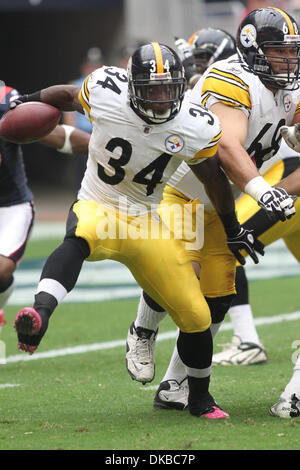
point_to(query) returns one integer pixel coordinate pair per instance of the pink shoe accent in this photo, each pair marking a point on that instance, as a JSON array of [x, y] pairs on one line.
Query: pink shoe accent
[[2, 319], [26, 348], [25, 315], [27, 322], [216, 414]]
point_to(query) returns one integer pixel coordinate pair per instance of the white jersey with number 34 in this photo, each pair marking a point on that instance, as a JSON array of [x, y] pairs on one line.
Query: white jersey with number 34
[[131, 158]]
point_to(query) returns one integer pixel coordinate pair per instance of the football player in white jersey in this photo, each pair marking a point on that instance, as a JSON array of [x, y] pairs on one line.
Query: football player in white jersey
[[142, 131], [205, 47], [261, 53], [228, 85]]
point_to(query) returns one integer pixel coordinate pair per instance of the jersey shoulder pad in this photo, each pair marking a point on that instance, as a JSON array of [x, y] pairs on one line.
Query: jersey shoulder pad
[[227, 82], [104, 84], [203, 131]]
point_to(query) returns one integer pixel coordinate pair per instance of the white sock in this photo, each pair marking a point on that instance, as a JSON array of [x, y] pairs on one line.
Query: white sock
[[176, 369], [243, 323], [147, 317], [294, 384], [214, 328]]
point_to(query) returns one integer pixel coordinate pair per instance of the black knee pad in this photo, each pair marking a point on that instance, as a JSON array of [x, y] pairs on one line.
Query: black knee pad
[[151, 303], [219, 306]]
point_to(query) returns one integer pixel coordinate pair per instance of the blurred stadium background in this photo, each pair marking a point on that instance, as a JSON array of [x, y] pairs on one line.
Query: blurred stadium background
[[44, 42]]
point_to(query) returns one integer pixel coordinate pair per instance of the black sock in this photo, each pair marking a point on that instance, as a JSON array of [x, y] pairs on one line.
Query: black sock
[[241, 285], [65, 263], [200, 400], [44, 304]]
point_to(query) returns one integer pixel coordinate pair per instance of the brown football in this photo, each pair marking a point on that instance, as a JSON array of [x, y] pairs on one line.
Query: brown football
[[28, 122]]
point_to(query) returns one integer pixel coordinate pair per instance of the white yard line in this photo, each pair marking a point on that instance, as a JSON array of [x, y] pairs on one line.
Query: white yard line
[[121, 343], [9, 385]]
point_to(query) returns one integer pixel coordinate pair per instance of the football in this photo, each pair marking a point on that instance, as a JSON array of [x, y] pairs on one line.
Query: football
[[28, 122]]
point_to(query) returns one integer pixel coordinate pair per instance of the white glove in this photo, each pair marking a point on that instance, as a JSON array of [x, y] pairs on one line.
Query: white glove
[[278, 204], [291, 135]]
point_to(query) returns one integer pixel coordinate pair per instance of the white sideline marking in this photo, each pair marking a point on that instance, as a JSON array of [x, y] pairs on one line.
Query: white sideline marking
[[85, 348], [9, 385]]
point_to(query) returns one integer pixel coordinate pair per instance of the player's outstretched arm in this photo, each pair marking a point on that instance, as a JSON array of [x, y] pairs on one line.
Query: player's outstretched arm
[[239, 167], [63, 97], [68, 139]]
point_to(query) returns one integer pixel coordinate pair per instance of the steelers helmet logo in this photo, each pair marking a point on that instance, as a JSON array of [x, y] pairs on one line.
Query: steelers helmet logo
[[248, 35], [174, 143]]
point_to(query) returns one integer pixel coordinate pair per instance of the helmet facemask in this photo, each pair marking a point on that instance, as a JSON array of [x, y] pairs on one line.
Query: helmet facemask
[[275, 69], [202, 59], [268, 42], [210, 45], [157, 98], [156, 82]]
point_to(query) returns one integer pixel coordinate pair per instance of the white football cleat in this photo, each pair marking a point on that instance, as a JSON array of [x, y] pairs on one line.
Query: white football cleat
[[171, 395], [140, 347], [238, 353], [286, 408]]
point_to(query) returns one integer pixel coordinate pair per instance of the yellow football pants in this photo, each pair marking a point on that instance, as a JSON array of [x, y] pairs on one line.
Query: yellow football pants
[[160, 264], [217, 263]]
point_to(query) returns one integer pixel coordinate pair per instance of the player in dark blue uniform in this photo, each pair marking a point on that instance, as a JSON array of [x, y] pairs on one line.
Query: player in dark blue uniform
[[16, 207], [16, 198]]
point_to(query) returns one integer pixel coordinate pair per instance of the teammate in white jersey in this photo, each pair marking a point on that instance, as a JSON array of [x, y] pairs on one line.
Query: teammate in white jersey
[[205, 47], [280, 107], [141, 133], [231, 85]]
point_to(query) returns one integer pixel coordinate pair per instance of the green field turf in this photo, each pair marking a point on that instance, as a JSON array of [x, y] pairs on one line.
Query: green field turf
[[87, 401]]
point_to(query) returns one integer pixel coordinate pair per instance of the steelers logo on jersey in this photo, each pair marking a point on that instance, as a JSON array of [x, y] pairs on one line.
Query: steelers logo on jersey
[[287, 102], [174, 143]]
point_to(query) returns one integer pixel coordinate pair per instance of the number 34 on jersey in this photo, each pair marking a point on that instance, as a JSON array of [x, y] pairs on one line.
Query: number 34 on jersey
[[130, 157]]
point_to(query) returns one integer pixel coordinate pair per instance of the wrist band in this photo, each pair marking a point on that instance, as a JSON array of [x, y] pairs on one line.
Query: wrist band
[[257, 187], [36, 96], [67, 147]]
